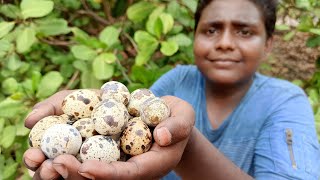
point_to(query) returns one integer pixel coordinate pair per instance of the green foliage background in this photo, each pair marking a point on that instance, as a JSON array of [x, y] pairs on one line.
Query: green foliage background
[[47, 45]]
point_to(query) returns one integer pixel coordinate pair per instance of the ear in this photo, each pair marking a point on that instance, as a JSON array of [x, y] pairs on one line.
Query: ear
[[269, 45]]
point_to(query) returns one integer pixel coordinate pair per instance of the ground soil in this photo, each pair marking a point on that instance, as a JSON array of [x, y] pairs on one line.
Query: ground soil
[[291, 59]]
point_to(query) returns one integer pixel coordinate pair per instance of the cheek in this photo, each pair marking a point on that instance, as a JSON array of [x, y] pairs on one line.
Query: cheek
[[201, 47]]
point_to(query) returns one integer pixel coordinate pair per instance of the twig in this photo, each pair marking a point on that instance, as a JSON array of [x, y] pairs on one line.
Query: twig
[[73, 78], [122, 71], [94, 16], [135, 46], [56, 42], [107, 10]]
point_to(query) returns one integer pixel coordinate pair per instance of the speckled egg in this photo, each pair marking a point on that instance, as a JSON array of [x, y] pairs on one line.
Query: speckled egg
[[69, 119], [115, 90], [102, 148], [86, 127], [110, 117], [61, 139], [40, 127], [138, 97], [154, 111], [136, 138], [80, 103]]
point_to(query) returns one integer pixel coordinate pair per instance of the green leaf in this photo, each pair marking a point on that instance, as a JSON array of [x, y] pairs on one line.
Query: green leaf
[[53, 27], [142, 57], [79, 34], [303, 4], [107, 57], [10, 170], [102, 70], [282, 27], [5, 28], [35, 80], [10, 108], [191, 4], [10, 11], [315, 31], [22, 130], [109, 35], [145, 40], [83, 52], [5, 46], [81, 65], [2, 122], [168, 48], [157, 28], [167, 22], [289, 36], [14, 62], [181, 39], [152, 20], [26, 39], [139, 11], [8, 139], [9, 86], [35, 8], [88, 80], [313, 41], [49, 84]]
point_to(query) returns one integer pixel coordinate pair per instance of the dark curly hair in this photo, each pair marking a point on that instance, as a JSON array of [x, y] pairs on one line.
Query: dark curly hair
[[268, 10]]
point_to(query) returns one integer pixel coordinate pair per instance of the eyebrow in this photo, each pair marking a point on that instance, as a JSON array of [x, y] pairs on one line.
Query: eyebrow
[[236, 23]]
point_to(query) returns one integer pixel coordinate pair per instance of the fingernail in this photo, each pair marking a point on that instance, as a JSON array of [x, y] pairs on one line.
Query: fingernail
[[61, 169], [30, 164], [31, 113], [164, 136], [86, 175]]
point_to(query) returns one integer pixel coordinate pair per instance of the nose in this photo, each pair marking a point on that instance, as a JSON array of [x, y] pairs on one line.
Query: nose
[[225, 41]]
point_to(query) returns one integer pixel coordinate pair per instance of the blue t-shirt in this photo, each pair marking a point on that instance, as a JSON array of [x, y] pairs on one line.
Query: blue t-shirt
[[269, 135]]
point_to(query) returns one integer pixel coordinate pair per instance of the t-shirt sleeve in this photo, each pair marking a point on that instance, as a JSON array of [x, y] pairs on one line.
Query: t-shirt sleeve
[[166, 84], [287, 147]]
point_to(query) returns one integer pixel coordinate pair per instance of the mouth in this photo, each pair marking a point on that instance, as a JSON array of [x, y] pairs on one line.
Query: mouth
[[224, 62]]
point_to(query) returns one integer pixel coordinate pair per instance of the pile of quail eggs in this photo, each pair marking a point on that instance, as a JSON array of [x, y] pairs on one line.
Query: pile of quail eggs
[[108, 125]]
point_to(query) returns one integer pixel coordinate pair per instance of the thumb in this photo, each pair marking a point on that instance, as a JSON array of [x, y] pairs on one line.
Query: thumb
[[178, 126]]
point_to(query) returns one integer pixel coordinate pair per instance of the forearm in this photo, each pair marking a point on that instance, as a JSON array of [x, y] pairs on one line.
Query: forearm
[[201, 160]]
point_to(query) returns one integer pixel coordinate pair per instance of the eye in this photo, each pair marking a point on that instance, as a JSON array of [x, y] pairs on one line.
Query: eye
[[245, 32], [211, 31]]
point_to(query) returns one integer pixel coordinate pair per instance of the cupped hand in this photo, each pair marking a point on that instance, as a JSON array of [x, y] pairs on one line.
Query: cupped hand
[[170, 136]]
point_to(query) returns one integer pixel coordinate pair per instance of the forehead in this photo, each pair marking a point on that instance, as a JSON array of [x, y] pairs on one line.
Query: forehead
[[231, 10]]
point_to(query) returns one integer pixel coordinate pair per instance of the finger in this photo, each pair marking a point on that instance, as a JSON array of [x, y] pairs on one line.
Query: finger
[[67, 166], [178, 126], [150, 165], [46, 171], [33, 158], [50, 106]]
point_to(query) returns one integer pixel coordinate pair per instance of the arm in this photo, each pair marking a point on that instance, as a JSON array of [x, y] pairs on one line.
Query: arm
[[201, 160]]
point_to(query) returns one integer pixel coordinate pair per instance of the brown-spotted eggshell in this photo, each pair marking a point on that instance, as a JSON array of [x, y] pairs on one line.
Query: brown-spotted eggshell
[[115, 90], [154, 111], [137, 98]]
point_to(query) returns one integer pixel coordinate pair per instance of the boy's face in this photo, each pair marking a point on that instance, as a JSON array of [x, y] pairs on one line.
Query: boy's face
[[230, 41]]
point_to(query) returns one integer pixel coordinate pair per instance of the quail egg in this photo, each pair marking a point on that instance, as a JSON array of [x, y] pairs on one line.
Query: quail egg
[[39, 128], [61, 139], [110, 117], [86, 127], [80, 103], [137, 98], [154, 111], [136, 138], [115, 90], [102, 148]]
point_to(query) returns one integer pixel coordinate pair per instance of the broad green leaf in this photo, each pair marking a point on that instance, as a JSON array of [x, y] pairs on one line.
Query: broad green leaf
[[139, 11], [303, 4], [8, 139], [79, 34], [26, 39], [49, 84], [145, 40], [152, 20], [157, 28], [109, 35], [102, 70], [168, 48], [35, 8], [35, 79], [14, 62], [83, 52], [305, 23], [10, 108], [181, 39], [289, 36], [88, 80], [5, 46], [10, 11], [2, 122], [107, 57], [10, 170], [142, 58], [5, 28], [282, 27], [167, 22], [191, 4], [53, 27], [9, 86], [81, 65], [315, 31], [22, 130], [313, 41]]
